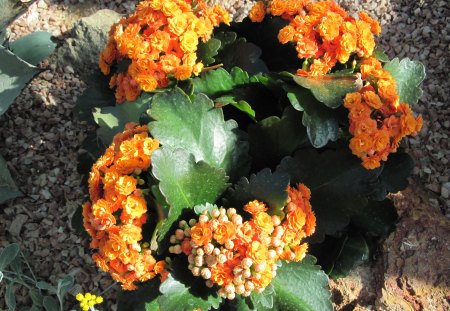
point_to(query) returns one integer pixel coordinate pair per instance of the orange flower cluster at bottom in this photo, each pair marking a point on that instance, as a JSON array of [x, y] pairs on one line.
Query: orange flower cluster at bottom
[[115, 196], [378, 121], [240, 257]]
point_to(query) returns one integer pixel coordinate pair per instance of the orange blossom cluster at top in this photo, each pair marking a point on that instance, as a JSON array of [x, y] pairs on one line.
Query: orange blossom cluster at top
[[378, 121], [241, 256], [117, 209], [321, 30], [161, 40]]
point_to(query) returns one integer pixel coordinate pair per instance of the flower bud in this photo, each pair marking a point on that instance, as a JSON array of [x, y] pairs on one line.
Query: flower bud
[[240, 289], [237, 270], [173, 239], [196, 271], [229, 288], [275, 242], [272, 254], [237, 219], [246, 274], [231, 296], [209, 283], [177, 249], [222, 211], [276, 220], [206, 273], [246, 263], [211, 260], [192, 222], [229, 244], [215, 213], [260, 290], [221, 258], [187, 232], [179, 234], [198, 261], [191, 258], [203, 218], [200, 252], [249, 286], [223, 218], [260, 267], [182, 224], [231, 212], [209, 248], [216, 251]]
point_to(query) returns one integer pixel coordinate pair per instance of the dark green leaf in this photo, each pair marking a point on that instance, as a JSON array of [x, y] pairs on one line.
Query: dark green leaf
[[200, 129], [142, 299], [265, 186], [185, 182], [177, 297], [301, 286], [354, 251], [239, 304], [36, 297], [8, 189], [330, 89], [376, 218], [33, 48], [206, 51], [337, 191], [242, 105], [283, 136], [320, 121], [10, 297], [225, 37], [63, 286], [242, 54], [408, 75], [263, 300], [46, 286], [380, 54], [15, 73], [217, 82], [50, 304], [112, 119], [10, 10], [8, 254]]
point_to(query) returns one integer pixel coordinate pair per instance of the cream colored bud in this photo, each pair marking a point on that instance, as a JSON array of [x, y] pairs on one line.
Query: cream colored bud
[[206, 273], [279, 250], [249, 286], [278, 231], [203, 218], [246, 263], [141, 182], [173, 239], [229, 244], [237, 270], [191, 266], [246, 274], [260, 267], [191, 258], [177, 249], [194, 250], [260, 290], [274, 267], [209, 283], [171, 249], [292, 256], [198, 261], [275, 242], [182, 224], [221, 293], [229, 288], [221, 258], [211, 260], [187, 232], [231, 296], [208, 249], [192, 222], [240, 289], [237, 219], [247, 293], [276, 220], [222, 211], [272, 254], [257, 276], [274, 274], [137, 171], [179, 234], [200, 252], [216, 251], [205, 212], [223, 218], [214, 223], [231, 212], [196, 271], [136, 247], [266, 240], [215, 213], [238, 279]]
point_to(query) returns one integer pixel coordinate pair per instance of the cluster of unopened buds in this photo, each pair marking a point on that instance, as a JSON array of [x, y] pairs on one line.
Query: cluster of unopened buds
[[88, 301], [241, 256]]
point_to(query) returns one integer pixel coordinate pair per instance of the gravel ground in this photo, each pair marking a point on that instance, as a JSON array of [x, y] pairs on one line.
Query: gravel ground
[[41, 147]]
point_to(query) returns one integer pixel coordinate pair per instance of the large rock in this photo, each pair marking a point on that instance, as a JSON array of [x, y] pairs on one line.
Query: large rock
[[88, 37]]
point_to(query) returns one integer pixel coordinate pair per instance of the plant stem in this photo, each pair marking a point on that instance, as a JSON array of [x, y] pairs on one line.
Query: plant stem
[[212, 67], [28, 265], [108, 288], [17, 281], [20, 275]]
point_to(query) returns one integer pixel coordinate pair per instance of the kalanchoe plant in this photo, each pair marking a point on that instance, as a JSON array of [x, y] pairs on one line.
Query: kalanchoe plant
[[288, 142]]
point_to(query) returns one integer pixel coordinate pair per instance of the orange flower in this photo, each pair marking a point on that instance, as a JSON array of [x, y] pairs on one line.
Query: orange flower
[[263, 221], [360, 144], [125, 185], [201, 234], [255, 207], [257, 251], [221, 274], [258, 12], [225, 231], [286, 34]]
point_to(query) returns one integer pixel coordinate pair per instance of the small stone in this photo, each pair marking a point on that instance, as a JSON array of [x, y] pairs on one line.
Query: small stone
[[427, 170], [17, 223], [445, 190], [69, 69]]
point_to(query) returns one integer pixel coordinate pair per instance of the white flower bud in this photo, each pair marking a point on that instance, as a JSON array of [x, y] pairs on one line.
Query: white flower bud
[[203, 218], [237, 219], [276, 242], [216, 251], [276, 220], [279, 250], [214, 223], [272, 254], [231, 212], [192, 222], [229, 244], [246, 263], [173, 239], [179, 234], [249, 286], [196, 271], [240, 289], [223, 218], [171, 249], [231, 296], [221, 258], [187, 232], [215, 213], [257, 276], [209, 248], [191, 258], [182, 224], [177, 249], [237, 270], [198, 261], [238, 280], [247, 293], [260, 267], [206, 273], [222, 211], [229, 288], [200, 252], [246, 274]]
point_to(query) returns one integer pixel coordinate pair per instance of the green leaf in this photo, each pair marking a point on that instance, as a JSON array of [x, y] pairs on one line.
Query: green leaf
[[217, 82], [36, 297], [10, 298], [185, 182], [8, 254], [10, 10], [330, 89], [320, 121], [97, 95], [198, 209], [206, 51], [284, 136], [242, 54], [376, 218], [50, 304], [46, 286], [63, 286], [354, 251], [242, 105], [8, 189], [1, 276], [15, 73], [265, 186], [33, 48], [200, 129], [177, 297], [141, 299], [301, 286], [337, 191], [112, 119], [380, 54], [225, 37], [265, 299], [408, 75]]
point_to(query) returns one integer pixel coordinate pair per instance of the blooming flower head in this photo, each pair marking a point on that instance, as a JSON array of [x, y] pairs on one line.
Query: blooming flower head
[[155, 40], [88, 300], [117, 209], [240, 256]]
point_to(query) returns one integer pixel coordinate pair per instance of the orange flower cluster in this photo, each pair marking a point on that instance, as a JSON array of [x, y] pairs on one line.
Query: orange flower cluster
[[321, 30], [115, 197], [160, 39], [240, 256], [378, 121]]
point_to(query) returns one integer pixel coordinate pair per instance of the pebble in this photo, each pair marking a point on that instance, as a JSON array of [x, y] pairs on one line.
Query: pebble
[[17, 224], [445, 190]]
